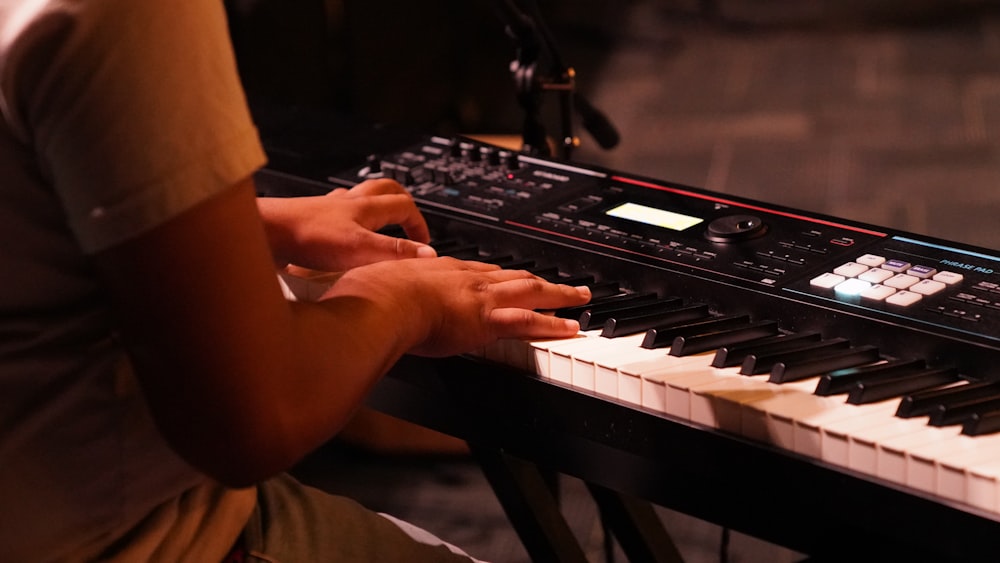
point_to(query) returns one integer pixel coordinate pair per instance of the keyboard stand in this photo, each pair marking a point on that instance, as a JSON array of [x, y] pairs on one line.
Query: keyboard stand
[[532, 506]]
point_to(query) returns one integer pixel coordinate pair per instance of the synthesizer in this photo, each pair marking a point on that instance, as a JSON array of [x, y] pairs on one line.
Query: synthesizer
[[846, 369]]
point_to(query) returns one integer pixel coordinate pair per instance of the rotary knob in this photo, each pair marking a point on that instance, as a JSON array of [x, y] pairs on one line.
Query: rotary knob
[[736, 228]]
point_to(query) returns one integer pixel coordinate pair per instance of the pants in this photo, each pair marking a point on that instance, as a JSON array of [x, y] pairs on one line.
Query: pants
[[294, 523]]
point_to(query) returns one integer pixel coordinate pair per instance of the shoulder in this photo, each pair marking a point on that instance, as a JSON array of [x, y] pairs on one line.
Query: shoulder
[[50, 48]]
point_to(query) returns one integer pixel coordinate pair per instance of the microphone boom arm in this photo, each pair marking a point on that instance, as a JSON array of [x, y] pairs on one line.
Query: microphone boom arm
[[530, 35]]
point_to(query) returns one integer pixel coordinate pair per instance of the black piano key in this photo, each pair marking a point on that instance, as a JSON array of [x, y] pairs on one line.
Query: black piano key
[[444, 245], [464, 251], [525, 265], [687, 345], [604, 303], [498, 259], [873, 391], [843, 380], [758, 363], [598, 289], [733, 355], [665, 335], [786, 371], [596, 317], [957, 412], [622, 326], [924, 402], [602, 289], [980, 424], [583, 279], [547, 273]]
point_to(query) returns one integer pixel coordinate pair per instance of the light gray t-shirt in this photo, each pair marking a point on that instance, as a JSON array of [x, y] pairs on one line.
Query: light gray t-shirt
[[117, 115]]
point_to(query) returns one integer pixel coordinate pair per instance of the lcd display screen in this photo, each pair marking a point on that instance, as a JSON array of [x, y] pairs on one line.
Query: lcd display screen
[[654, 216]]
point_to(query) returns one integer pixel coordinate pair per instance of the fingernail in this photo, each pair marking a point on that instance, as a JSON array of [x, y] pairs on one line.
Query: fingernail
[[584, 291], [425, 251]]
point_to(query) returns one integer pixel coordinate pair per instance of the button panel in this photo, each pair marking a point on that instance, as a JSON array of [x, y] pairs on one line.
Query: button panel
[[923, 281], [875, 278], [710, 236]]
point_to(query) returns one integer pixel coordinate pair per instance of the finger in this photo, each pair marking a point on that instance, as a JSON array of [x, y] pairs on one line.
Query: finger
[[378, 186], [535, 293], [373, 247], [395, 209], [472, 265], [522, 323]]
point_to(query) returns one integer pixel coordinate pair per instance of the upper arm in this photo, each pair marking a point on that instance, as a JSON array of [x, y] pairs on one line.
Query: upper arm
[[202, 316]]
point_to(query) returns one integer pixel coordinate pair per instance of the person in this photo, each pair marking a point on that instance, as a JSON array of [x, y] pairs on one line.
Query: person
[[155, 383]]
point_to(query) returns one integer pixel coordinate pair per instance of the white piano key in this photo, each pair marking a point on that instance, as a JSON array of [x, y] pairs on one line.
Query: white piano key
[[813, 439], [540, 350], [864, 441], [585, 360], [657, 372], [984, 485], [893, 461], [718, 403], [921, 458], [653, 374], [653, 395], [954, 475], [610, 381], [680, 383], [562, 360], [769, 414], [839, 435]]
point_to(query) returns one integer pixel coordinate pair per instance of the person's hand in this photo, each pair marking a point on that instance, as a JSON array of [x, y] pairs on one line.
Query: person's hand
[[336, 231], [445, 306]]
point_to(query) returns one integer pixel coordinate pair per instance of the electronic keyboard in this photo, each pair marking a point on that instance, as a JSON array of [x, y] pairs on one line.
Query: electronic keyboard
[[808, 379]]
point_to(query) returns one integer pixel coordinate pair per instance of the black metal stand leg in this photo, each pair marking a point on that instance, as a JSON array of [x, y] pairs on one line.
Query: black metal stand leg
[[531, 507], [636, 526]]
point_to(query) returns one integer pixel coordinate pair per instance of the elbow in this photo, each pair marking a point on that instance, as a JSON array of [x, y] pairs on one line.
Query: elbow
[[236, 453]]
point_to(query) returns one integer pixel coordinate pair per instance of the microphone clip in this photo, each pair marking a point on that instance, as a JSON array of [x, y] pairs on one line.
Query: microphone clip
[[532, 38]]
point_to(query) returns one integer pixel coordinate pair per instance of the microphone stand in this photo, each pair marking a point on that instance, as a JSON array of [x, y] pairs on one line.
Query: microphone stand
[[531, 37]]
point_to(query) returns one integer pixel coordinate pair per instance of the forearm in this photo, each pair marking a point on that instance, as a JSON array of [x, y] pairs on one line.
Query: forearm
[[301, 389], [241, 382]]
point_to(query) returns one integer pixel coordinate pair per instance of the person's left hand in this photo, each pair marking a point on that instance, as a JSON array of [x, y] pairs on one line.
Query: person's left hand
[[336, 231]]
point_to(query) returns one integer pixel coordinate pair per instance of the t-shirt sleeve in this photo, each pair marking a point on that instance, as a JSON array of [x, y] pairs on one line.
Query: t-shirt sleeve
[[134, 109]]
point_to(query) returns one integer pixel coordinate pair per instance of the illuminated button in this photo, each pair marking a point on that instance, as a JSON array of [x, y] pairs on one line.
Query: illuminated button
[[901, 281], [826, 281], [950, 278], [927, 287], [851, 270], [851, 287], [904, 298], [876, 275], [871, 260], [877, 292], [896, 266], [922, 272]]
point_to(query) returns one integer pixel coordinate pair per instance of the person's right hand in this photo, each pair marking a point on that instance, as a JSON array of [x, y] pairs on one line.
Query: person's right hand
[[444, 306]]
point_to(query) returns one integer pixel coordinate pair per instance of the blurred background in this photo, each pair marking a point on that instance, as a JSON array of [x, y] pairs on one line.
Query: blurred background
[[880, 111]]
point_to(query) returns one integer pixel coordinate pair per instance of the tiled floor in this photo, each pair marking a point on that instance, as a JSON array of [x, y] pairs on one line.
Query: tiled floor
[[887, 113]]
